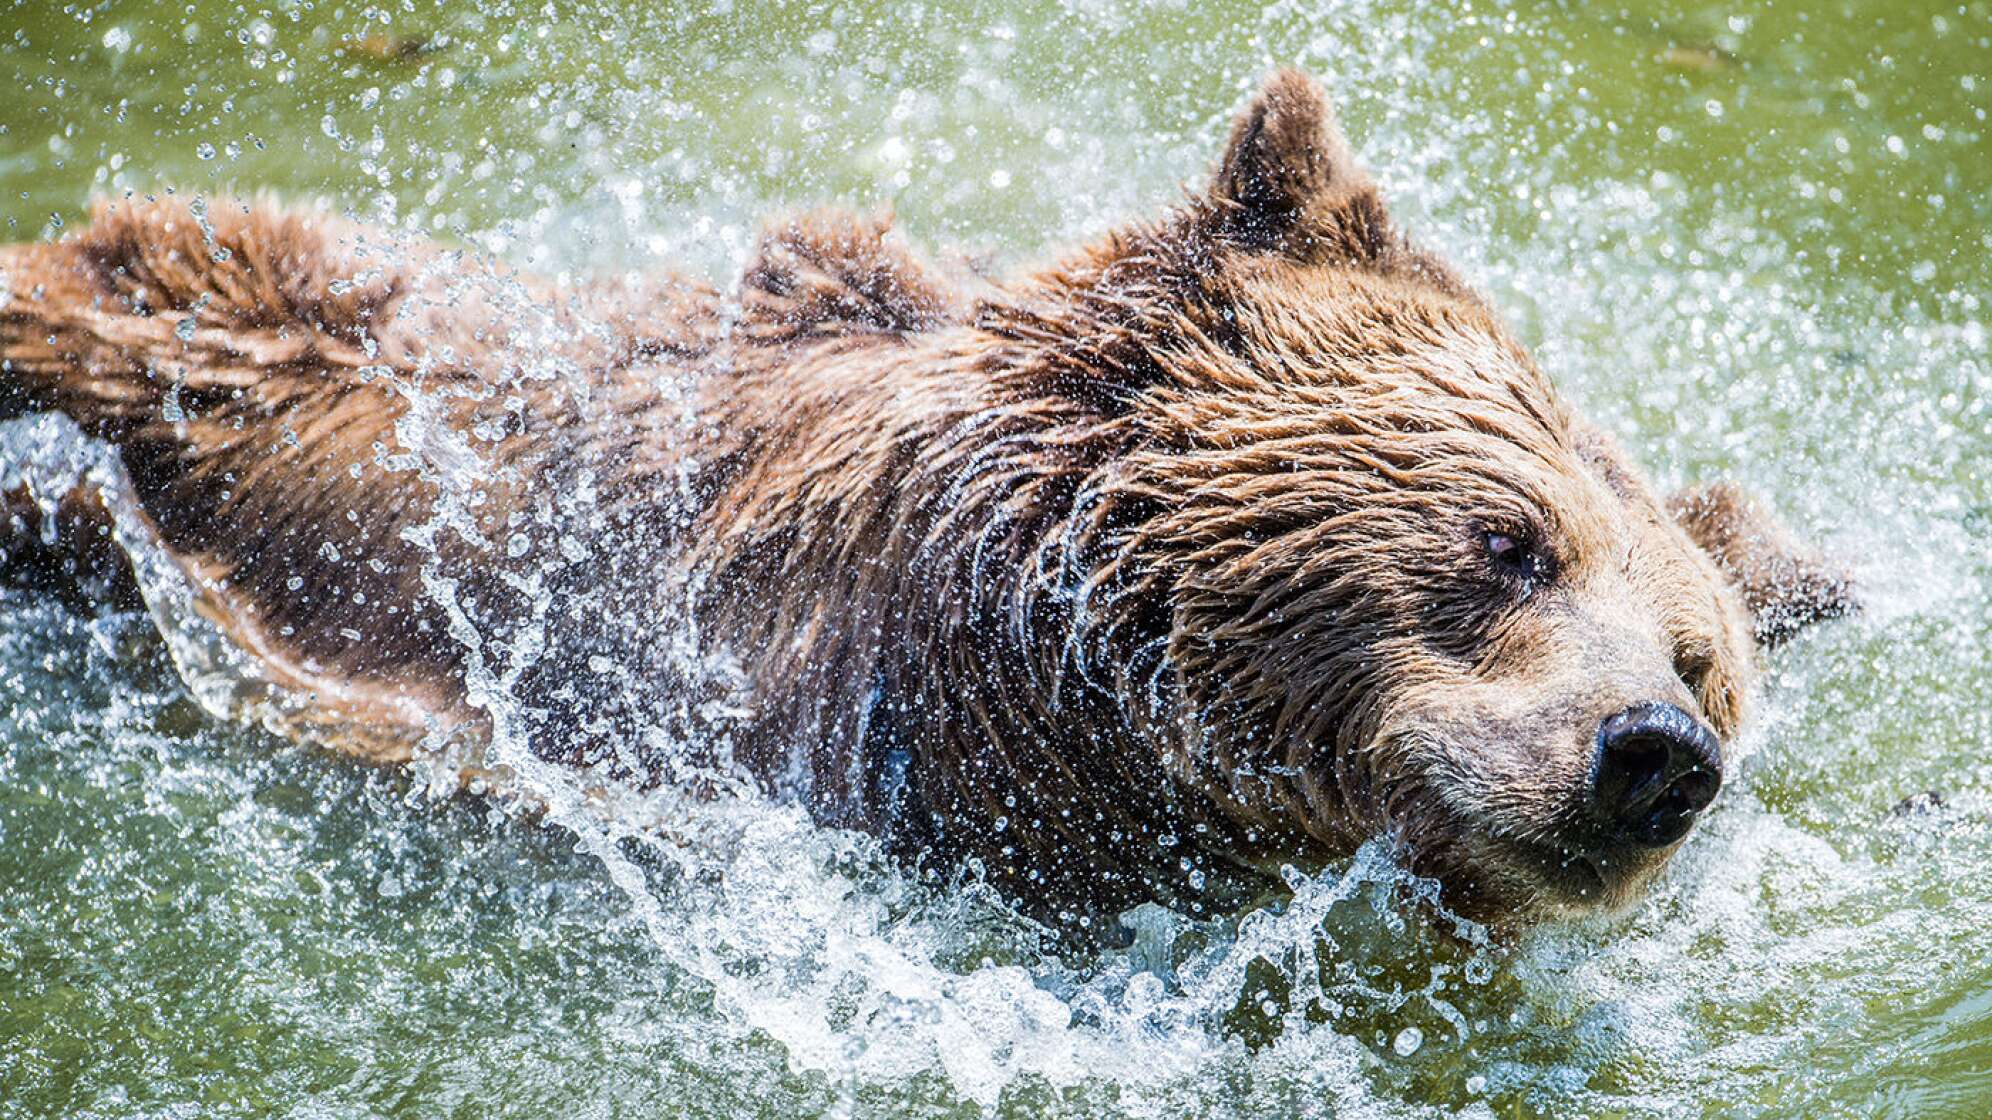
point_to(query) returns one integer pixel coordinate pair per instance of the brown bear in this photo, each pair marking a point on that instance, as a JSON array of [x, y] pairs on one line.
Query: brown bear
[[1232, 540]]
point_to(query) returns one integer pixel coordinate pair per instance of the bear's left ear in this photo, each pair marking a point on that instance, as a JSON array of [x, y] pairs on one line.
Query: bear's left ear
[[1289, 183], [1785, 585]]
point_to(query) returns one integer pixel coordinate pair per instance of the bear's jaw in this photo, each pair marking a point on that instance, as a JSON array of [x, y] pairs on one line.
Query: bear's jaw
[[1504, 861], [1562, 881], [1505, 871], [1506, 878], [1510, 884]]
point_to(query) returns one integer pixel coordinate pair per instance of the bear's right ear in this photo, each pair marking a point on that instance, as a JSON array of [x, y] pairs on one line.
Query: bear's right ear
[[1288, 182], [1785, 585]]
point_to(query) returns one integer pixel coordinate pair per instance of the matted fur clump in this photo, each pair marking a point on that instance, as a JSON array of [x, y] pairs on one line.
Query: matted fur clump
[[1230, 541]]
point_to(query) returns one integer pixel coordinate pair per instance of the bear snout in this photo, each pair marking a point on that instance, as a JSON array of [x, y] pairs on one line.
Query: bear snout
[[1656, 769]]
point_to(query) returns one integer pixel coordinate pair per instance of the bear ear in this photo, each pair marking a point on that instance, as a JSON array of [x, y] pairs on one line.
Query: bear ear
[[1289, 183], [1785, 585]]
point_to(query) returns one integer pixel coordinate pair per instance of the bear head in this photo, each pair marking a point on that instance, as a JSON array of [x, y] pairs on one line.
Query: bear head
[[1359, 567]]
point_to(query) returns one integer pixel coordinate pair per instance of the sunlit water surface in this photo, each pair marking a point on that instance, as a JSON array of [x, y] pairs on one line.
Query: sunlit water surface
[[1754, 244]]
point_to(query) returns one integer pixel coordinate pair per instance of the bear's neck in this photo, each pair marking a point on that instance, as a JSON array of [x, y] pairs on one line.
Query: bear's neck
[[902, 539]]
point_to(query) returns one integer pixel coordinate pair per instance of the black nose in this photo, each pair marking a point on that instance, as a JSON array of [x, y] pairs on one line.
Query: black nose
[[1657, 767]]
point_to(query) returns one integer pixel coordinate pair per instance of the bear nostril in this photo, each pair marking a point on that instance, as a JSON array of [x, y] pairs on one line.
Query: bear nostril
[[1696, 789], [1656, 767]]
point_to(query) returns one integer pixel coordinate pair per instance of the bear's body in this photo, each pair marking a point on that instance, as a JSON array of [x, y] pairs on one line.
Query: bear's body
[[1131, 579]]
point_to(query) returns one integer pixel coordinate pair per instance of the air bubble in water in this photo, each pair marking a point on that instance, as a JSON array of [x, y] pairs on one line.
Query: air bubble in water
[[1479, 969], [1407, 1041]]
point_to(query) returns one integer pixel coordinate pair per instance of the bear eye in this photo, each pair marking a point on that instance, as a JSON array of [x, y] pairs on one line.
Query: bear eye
[[1693, 665], [1515, 556]]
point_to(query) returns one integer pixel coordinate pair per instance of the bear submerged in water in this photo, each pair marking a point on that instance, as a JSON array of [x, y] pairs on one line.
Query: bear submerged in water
[[1231, 541]]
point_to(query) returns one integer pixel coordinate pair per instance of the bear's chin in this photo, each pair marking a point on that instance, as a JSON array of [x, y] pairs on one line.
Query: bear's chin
[[1514, 883]]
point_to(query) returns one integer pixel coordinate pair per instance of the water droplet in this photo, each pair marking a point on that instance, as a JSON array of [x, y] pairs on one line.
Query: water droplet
[[1407, 1041], [1476, 1085], [205, 151]]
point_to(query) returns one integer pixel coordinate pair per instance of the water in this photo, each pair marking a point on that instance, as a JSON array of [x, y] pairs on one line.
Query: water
[[1752, 242]]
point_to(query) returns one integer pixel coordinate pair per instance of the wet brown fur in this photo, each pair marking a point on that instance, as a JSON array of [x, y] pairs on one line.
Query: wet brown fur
[[1136, 577]]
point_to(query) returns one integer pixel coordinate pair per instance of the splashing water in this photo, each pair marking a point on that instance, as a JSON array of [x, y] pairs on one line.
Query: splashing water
[[1753, 245]]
